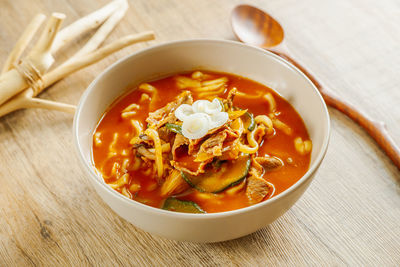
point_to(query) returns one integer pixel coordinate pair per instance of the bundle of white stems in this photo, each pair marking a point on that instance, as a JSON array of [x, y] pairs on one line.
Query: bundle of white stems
[[23, 79]]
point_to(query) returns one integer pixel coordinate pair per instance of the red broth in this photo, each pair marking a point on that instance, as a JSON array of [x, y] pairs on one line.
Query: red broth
[[280, 144]]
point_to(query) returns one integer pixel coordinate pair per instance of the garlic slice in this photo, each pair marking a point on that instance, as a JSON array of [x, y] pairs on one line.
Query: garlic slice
[[214, 107], [200, 106], [196, 125], [218, 119], [183, 111], [205, 106], [201, 117]]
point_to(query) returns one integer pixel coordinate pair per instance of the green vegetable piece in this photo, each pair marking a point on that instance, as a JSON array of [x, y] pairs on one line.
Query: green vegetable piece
[[248, 120], [214, 180], [174, 204], [174, 128]]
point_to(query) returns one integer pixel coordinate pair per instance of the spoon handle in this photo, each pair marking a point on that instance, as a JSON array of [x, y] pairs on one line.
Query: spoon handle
[[376, 129]]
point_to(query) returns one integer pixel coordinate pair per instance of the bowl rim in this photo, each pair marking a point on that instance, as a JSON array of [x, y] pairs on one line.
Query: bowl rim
[[91, 171]]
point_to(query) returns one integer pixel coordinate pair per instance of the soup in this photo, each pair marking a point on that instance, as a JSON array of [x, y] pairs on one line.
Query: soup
[[201, 142]]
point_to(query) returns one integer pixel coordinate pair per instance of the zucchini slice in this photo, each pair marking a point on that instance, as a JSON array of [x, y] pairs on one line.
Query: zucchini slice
[[216, 180], [248, 121], [174, 204]]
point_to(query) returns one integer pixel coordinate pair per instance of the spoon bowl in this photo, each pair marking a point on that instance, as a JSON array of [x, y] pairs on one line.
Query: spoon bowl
[[253, 26]]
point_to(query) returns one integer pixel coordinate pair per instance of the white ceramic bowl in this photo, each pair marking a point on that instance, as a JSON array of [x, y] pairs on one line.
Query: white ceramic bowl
[[218, 55]]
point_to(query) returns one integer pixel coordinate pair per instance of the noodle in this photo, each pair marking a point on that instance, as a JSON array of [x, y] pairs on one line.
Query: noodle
[[251, 139], [136, 164], [212, 93], [252, 142], [144, 97], [282, 126], [125, 164], [164, 147], [148, 88], [302, 148], [149, 153], [307, 146], [134, 187], [245, 95], [111, 149], [153, 134], [266, 121], [115, 168], [271, 101], [123, 180], [128, 114], [209, 88], [198, 75], [131, 107], [126, 193], [185, 82], [138, 126], [221, 80]]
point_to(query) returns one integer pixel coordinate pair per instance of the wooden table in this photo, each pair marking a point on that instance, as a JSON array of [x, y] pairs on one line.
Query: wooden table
[[50, 214]]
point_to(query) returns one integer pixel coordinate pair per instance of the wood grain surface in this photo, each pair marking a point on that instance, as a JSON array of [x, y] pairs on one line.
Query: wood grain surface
[[350, 216]]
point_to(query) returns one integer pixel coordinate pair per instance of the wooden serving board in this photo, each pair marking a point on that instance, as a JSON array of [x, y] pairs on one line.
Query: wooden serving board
[[50, 214]]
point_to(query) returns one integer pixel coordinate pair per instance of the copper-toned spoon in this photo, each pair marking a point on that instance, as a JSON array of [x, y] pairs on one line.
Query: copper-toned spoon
[[253, 26]]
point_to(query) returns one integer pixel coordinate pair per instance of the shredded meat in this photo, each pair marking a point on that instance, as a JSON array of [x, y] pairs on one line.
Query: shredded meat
[[257, 189], [179, 141], [166, 114], [180, 149], [212, 147], [269, 163], [230, 150], [166, 135], [229, 100], [194, 145]]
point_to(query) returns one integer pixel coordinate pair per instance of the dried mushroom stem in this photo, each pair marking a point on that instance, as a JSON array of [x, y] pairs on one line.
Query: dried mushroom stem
[[85, 24], [101, 34], [25, 100], [23, 42], [29, 71]]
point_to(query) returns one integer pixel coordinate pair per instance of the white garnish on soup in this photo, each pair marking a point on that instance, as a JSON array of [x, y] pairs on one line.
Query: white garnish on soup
[[183, 111], [196, 125], [200, 117], [218, 119]]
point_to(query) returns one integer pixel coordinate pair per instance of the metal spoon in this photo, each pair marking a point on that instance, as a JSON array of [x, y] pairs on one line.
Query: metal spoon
[[253, 26]]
